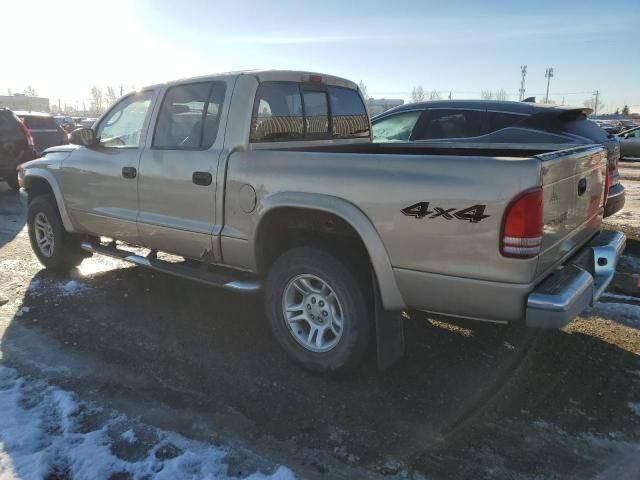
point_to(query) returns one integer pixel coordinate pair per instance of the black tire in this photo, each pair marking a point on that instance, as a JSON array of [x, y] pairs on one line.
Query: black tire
[[12, 180], [351, 293], [66, 252]]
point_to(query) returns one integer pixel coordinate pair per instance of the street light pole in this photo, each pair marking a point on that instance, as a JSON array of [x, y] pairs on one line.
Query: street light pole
[[548, 74], [523, 71]]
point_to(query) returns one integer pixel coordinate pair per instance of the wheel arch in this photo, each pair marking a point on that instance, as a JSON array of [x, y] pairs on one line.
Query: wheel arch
[[345, 211], [40, 181]]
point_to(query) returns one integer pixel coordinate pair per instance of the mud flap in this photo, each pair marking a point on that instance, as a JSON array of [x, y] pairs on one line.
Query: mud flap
[[389, 331]]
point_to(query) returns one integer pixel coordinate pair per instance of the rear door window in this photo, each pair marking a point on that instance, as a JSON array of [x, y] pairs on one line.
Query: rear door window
[[498, 120], [450, 123], [189, 116], [395, 127]]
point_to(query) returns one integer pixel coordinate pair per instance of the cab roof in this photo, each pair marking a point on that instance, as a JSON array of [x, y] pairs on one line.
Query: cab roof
[[273, 76]]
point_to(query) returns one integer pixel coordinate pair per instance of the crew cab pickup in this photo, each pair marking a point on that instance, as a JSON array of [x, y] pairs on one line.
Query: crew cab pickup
[[268, 180]]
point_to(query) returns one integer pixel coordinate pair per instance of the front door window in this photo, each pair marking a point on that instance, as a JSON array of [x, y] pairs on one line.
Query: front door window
[[122, 127]]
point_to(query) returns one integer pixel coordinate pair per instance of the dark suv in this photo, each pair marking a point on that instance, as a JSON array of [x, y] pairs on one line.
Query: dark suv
[[45, 130], [487, 121], [16, 146]]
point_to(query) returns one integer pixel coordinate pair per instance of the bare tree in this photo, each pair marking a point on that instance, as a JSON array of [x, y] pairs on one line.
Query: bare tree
[[30, 91], [486, 95], [591, 103], [502, 94], [435, 95], [96, 100], [110, 96], [625, 110], [417, 94]]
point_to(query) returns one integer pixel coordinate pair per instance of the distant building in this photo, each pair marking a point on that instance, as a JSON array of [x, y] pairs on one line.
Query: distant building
[[23, 102], [379, 105]]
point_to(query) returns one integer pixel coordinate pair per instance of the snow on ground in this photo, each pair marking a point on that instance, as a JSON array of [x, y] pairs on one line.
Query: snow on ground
[[625, 313], [47, 432]]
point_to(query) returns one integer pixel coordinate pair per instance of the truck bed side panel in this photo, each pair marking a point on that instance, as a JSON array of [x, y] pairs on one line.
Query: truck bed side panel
[[435, 240]]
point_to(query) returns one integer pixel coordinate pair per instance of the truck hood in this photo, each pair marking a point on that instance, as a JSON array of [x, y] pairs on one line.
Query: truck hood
[[61, 148]]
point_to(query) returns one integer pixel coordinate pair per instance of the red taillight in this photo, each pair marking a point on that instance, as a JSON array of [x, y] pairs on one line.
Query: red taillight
[[522, 225], [315, 79], [27, 134], [607, 184]]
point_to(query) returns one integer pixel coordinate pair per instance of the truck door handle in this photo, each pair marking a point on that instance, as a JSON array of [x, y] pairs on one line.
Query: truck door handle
[[129, 172], [582, 186], [202, 178]]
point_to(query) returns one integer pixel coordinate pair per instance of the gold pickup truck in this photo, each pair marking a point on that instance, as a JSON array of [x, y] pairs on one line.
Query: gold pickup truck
[[268, 180]]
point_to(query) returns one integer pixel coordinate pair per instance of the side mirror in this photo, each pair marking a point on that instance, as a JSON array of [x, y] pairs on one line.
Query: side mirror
[[83, 136]]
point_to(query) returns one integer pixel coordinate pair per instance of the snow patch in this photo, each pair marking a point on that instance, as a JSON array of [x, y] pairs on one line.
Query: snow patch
[[635, 407], [46, 432], [624, 313]]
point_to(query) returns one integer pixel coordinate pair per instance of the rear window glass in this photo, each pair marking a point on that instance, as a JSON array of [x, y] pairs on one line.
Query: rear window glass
[[7, 122], [316, 113], [349, 114], [285, 111], [40, 123], [278, 113]]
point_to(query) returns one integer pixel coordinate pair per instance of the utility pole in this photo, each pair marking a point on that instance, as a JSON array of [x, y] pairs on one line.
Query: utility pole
[[121, 92], [595, 105], [548, 74], [523, 71], [449, 94]]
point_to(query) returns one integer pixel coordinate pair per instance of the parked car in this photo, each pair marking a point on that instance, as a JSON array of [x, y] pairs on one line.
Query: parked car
[[45, 130], [16, 146], [608, 127], [625, 125], [65, 122], [484, 121], [268, 180], [86, 122], [630, 144]]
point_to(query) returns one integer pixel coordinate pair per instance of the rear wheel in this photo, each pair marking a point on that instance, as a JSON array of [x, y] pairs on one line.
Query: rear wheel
[[318, 310], [53, 245]]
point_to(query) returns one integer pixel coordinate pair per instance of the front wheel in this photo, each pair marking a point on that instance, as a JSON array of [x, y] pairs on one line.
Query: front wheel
[[318, 310], [55, 248]]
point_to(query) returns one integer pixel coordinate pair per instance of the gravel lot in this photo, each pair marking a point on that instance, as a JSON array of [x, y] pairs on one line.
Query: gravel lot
[[152, 375]]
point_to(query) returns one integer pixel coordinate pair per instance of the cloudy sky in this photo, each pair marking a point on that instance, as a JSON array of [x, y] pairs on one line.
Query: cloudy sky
[[460, 46]]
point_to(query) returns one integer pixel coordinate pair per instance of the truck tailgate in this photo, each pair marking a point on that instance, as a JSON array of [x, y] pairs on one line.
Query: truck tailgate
[[573, 183]]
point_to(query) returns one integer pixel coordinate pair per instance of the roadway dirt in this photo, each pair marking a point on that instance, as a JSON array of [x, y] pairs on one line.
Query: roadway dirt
[[467, 401]]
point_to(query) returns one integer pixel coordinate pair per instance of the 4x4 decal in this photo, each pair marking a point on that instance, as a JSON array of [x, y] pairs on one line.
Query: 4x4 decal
[[472, 214]]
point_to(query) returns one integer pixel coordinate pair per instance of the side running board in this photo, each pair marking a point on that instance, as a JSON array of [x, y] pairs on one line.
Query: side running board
[[235, 281]]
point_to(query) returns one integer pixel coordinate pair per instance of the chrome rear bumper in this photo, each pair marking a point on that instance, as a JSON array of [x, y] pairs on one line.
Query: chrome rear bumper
[[576, 284]]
